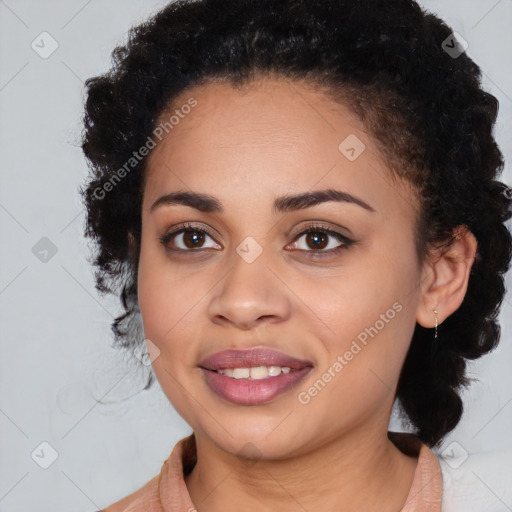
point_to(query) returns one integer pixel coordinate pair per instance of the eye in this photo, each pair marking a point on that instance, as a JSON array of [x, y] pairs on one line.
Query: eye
[[316, 241], [190, 238], [187, 237]]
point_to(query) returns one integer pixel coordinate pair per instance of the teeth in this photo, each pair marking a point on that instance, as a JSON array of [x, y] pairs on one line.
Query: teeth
[[254, 373], [273, 371], [241, 373], [261, 372]]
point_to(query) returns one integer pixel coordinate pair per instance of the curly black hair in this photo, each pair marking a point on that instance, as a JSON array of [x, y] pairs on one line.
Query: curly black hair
[[389, 62]]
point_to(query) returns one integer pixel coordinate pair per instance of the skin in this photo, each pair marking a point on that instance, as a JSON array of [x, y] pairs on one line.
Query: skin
[[246, 147]]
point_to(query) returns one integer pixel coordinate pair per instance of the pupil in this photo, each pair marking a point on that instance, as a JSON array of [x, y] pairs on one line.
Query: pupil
[[317, 240], [195, 237]]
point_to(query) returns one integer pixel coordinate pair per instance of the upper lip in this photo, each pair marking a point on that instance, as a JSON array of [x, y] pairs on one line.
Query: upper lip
[[251, 357]]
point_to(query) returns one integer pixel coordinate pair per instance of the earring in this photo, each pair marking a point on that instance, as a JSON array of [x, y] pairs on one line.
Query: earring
[[435, 327]]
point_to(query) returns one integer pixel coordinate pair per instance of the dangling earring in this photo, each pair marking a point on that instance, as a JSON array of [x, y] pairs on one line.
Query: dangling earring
[[435, 328]]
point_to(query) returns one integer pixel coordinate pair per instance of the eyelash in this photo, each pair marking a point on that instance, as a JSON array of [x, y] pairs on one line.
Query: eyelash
[[317, 228]]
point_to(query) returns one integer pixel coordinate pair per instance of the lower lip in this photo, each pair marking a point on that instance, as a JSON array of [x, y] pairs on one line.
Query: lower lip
[[252, 392]]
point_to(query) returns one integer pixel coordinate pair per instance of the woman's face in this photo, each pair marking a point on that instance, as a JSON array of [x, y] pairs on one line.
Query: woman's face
[[341, 300]]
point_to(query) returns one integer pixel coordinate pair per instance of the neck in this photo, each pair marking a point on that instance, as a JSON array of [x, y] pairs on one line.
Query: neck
[[357, 471]]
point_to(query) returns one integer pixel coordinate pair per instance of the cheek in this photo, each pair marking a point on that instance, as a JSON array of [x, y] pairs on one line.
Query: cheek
[[364, 293], [365, 318], [169, 307], [362, 360], [167, 300]]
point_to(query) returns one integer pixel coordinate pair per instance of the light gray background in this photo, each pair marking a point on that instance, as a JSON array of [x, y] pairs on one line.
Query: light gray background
[[56, 354]]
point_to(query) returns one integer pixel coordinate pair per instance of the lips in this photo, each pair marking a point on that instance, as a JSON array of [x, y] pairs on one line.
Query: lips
[[251, 357], [245, 391]]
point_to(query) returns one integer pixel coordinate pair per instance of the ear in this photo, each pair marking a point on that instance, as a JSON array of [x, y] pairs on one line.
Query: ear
[[445, 278]]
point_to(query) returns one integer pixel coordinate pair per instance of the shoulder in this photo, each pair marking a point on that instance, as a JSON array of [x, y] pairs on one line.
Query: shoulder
[[167, 485], [426, 491]]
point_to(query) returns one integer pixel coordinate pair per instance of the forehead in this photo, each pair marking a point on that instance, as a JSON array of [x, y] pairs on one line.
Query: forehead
[[276, 101], [274, 133]]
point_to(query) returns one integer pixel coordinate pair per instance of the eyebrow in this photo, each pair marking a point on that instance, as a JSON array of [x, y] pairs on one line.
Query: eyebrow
[[209, 204]]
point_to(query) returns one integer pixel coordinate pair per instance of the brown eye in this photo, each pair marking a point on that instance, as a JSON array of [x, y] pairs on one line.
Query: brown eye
[[319, 241], [193, 238], [187, 239]]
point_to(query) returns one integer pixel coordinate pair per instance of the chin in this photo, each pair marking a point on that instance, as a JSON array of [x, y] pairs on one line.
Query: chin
[[255, 440]]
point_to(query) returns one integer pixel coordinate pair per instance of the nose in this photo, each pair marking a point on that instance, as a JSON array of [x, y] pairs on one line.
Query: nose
[[249, 295]]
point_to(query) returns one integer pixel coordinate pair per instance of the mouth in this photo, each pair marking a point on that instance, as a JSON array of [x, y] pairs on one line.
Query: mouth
[[255, 372], [252, 358], [254, 376]]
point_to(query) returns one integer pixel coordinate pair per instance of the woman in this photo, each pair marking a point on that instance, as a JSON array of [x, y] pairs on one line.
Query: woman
[[300, 200]]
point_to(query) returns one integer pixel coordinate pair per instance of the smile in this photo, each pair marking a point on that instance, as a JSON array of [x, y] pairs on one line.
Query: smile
[[252, 376], [254, 373], [239, 386]]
